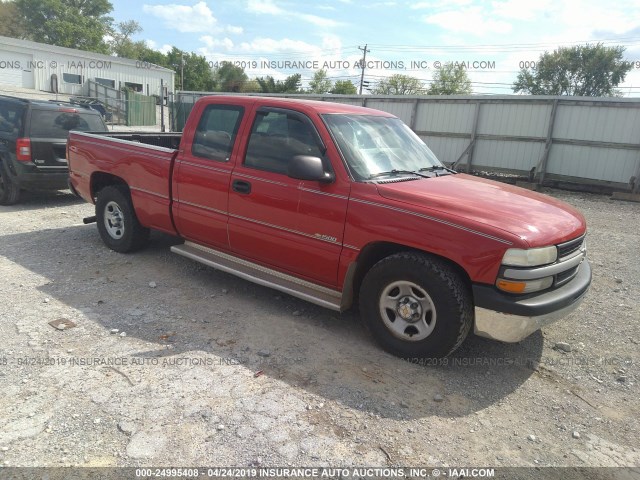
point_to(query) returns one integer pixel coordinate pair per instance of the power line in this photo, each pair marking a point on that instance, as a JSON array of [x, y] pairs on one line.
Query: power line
[[497, 47], [401, 48], [506, 46]]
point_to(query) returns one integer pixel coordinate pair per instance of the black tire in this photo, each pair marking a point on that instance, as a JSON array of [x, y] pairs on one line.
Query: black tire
[[416, 306], [9, 191], [118, 225]]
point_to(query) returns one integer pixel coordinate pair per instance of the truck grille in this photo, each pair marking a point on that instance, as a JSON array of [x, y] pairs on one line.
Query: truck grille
[[565, 276], [570, 247]]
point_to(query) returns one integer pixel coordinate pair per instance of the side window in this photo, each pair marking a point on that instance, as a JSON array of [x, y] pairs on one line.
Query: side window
[[216, 132], [277, 137], [10, 119]]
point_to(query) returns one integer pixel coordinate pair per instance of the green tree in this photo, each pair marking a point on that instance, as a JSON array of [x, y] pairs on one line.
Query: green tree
[[9, 27], [122, 44], [291, 84], [251, 86], [150, 55], [197, 74], [399, 84], [267, 85], [583, 70], [344, 87], [229, 78], [81, 24], [320, 83], [451, 79]]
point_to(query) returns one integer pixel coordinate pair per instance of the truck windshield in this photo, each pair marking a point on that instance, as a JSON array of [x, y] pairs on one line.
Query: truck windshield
[[373, 145]]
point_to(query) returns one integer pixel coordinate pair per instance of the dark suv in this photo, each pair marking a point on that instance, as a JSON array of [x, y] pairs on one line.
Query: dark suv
[[33, 143]]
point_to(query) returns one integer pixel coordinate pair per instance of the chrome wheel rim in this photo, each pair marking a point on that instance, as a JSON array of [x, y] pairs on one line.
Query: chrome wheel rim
[[114, 220], [407, 311]]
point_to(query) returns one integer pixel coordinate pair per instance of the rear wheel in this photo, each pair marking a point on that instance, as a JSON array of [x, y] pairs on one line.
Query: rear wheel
[[118, 225], [416, 305], [9, 191]]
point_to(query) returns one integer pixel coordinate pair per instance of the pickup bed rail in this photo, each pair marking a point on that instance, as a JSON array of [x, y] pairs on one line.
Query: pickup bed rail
[[166, 140]]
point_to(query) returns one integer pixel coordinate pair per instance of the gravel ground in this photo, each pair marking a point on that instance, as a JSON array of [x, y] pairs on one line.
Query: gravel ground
[[172, 363]]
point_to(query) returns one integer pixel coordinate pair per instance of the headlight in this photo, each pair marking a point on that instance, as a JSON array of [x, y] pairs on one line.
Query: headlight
[[532, 257]]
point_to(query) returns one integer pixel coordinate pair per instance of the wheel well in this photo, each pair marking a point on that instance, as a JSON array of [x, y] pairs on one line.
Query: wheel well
[[5, 162], [374, 252], [100, 180]]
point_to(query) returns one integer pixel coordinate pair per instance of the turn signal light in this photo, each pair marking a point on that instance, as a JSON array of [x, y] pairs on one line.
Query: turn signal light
[[528, 286], [511, 287]]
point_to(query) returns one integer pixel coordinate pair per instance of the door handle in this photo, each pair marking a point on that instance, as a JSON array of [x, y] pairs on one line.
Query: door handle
[[241, 186]]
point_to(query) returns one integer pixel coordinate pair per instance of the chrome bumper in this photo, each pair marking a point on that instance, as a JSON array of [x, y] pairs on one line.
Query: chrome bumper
[[514, 328]]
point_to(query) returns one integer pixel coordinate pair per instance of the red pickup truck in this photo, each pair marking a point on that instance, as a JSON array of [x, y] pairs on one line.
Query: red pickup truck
[[335, 204]]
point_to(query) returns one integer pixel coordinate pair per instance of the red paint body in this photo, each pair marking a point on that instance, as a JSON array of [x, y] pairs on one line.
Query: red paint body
[[467, 220]]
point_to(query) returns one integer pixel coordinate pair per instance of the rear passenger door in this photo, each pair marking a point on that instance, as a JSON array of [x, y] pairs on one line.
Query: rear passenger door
[[201, 176], [11, 118], [293, 225]]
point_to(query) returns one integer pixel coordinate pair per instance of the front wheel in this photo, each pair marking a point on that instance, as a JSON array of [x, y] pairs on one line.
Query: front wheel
[[118, 225], [9, 191], [416, 305]]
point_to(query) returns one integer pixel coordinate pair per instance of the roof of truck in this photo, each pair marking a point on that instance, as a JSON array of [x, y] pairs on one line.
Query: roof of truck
[[319, 107]]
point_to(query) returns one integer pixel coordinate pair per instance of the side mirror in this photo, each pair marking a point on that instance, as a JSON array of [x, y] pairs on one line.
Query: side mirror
[[304, 167]]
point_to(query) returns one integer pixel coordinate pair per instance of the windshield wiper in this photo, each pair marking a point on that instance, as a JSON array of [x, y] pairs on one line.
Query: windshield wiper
[[397, 172], [436, 168]]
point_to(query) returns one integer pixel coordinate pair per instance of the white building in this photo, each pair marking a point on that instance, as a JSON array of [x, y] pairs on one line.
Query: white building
[[49, 68]]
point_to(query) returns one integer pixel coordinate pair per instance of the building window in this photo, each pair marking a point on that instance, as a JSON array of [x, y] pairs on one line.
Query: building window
[[72, 78], [136, 87], [106, 82]]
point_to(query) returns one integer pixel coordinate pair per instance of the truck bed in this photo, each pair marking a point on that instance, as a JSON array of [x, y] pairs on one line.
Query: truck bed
[[143, 161]]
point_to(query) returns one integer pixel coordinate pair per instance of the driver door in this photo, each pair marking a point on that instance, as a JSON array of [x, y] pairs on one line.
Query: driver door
[[291, 225]]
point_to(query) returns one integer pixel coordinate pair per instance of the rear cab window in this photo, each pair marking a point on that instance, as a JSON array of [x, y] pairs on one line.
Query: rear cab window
[[216, 132], [49, 123]]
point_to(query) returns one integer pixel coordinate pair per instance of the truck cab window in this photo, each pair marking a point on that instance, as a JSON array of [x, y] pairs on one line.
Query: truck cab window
[[276, 138], [216, 132]]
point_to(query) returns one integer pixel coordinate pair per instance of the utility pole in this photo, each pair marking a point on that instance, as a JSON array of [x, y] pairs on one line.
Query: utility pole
[[162, 129], [181, 71], [364, 61]]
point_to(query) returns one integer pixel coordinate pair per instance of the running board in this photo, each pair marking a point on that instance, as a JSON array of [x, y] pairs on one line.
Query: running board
[[325, 297]]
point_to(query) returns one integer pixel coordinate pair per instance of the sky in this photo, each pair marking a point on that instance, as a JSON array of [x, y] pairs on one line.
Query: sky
[[494, 39]]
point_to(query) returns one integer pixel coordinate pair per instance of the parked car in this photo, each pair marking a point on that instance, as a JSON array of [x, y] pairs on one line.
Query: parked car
[[336, 204], [33, 142], [95, 104]]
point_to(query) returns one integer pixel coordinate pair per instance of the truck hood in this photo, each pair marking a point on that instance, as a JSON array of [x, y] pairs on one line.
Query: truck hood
[[538, 219]]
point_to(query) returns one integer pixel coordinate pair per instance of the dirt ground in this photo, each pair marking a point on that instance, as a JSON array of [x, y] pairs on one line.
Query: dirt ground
[[162, 367]]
